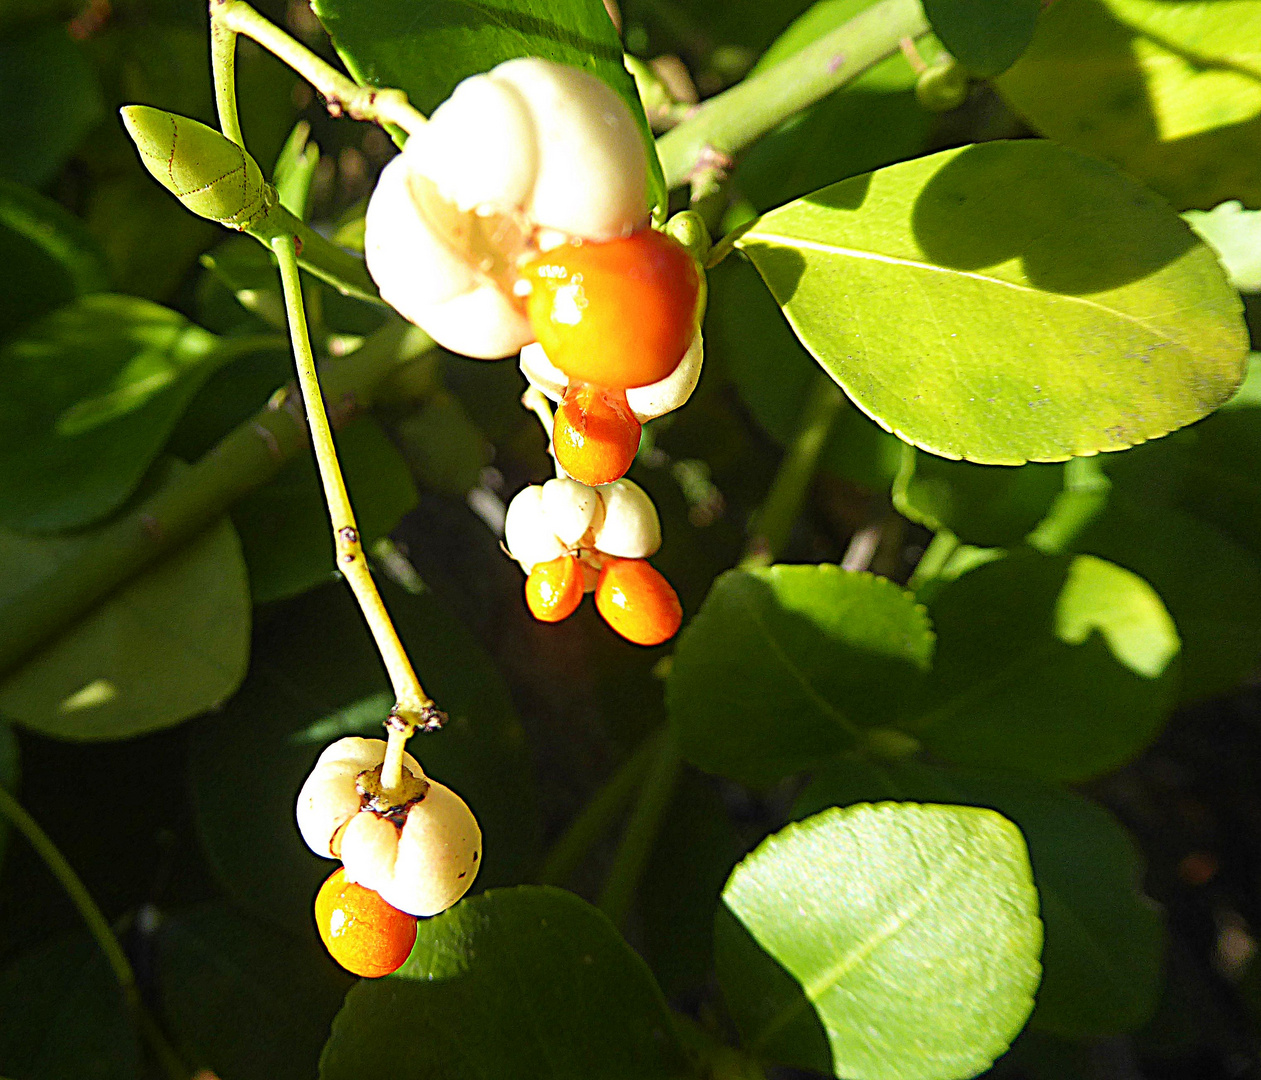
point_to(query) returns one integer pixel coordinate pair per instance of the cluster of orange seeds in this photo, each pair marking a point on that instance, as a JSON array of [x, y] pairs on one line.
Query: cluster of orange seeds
[[612, 316]]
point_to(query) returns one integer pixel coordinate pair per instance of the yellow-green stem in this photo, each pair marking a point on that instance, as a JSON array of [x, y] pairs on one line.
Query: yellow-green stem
[[413, 706], [342, 94]]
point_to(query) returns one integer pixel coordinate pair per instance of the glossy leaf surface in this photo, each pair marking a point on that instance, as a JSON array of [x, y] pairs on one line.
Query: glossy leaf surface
[[1169, 90], [865, 920], [1104, 938], [1063, 668], [985, 36], [951, 302], [529, 982], [787, 666]]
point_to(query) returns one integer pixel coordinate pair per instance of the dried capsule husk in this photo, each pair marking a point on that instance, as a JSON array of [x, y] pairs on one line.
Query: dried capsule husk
[[211, 175], [530, 154]]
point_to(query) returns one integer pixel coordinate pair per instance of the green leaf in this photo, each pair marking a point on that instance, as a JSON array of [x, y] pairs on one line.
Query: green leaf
[[47, 257], [786, 666], [1104, 939], [170, 644], [49, 100], [1169, 90], [987, 505], [1067, 309], [745, 332], [426, 53], [285, 535], [242, 999], [984, 36], [315, 677], [1235, 234], [88, 397], [1060, 667], [444, 448], [1211, 586], [64, 1016], [528, 982], [907, 935], [295, 170]]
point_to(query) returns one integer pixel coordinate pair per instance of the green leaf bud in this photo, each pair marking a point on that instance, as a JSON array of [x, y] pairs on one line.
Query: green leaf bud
[[208, 173], [943, 86], [689, 229]]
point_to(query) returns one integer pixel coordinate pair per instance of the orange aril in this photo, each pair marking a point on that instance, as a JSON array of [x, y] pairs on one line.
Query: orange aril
[[638, 602], [554, 589], [619, 313], [595, 435], [361, 931]]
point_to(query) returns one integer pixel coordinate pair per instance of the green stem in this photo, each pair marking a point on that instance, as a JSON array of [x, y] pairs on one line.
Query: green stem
[[318, 255], [98, 926], [596, 817], [774, 519], [641, 831], [943, 544], [730, 121], [341, 93], [223, 71], [246, 458], [413, 706]]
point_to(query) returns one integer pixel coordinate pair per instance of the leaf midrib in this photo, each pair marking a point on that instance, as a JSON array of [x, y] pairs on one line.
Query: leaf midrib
[[777, 240]]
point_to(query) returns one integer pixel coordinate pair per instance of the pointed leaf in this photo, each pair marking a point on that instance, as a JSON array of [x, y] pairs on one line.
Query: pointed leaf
[[529, 982], [907, 934], [1067, 310], [787, 666], [984, 36]]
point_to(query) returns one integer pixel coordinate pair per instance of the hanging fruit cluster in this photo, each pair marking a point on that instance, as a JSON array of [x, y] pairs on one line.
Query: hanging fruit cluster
[[517, 220], [409, 851]]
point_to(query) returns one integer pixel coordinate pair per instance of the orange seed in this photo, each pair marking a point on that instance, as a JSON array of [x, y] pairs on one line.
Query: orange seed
[[595, 434], [638, 602], [361, 931], [554, 589]]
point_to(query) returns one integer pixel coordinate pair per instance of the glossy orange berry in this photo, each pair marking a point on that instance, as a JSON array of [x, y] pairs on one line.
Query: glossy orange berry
[[554, 589], [620, 313], [361, 931], [595, 434], [638, 602]]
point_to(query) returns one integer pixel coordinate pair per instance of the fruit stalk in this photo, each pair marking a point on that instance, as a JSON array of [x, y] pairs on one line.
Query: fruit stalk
[[413, 706]]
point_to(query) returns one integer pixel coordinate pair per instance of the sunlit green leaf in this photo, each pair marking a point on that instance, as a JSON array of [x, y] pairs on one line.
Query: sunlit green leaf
[[1102, 956], [170, 644], [529, 982], [245, 1000], [787, 666], [984, 36], [1235, 234], [868, 917], [388, 43], [1169, 90], [1060, 667], [49, 100], [316, 677], [88, 396], [1006, 302], [47, 257]]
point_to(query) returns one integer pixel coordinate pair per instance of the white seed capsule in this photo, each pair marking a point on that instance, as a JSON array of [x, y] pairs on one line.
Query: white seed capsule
[[529, 150], [528, 535], [569, 508], [329, 797], [631, 528], [424, 867], [646, 402]]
